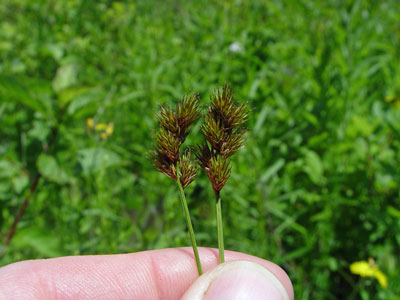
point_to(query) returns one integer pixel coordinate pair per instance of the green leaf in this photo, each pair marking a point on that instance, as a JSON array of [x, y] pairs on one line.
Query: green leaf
[[66, 76], [394, 212], [6, 190], [40, 130], [32, 93], [55, 50], [360, 126], [272, 171], [85, 103], [94, 159], [20, 183], [261, 120], [50, 169], [7, 169], [67, 95], [384, 182], [313, 166], [311, 118], [45, 244]]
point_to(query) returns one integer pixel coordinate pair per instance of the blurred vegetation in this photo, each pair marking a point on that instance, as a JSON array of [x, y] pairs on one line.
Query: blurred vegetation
[[315, 189]]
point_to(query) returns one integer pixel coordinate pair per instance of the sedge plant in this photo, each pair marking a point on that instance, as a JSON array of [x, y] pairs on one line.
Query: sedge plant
[[224, 133], [166, 157], [223, 129]]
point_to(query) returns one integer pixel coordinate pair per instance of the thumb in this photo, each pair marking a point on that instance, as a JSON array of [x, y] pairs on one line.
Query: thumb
[[237, 280]]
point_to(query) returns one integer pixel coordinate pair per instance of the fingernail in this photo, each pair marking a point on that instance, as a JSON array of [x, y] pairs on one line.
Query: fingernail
[[238, 280]]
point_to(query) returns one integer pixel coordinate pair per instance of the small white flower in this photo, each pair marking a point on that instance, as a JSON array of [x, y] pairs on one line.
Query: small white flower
[[236, 47]]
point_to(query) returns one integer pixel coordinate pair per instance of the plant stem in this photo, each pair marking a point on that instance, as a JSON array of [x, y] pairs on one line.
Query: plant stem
[[20, 213], [189, 223], [220, 230]]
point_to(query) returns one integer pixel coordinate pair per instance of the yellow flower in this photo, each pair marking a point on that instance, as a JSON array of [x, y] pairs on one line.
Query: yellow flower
[[105, 129], [100, 127], [362, 268], [110, 129], [382, 279], [393, 99], [90, 123], [369, 269], [390, 98]]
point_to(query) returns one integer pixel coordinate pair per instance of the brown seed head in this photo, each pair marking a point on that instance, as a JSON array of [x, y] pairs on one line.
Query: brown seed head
[[225, 110], [223, 131], [178, 122], [222, 125], [174, 128], [167, 144], [218, 172], [163, 164], [233, 143], [187, 170], [188, 111], [214, 132], [204, 155]]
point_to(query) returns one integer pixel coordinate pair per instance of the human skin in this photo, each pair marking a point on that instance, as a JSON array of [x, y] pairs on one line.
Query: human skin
[[157, 274]]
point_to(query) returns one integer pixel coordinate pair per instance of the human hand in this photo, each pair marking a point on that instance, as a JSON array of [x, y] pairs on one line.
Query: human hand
[[159, 274]]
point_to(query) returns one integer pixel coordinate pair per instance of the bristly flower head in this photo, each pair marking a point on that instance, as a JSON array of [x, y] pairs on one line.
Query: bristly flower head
[[218, 172], [174, 128], [224, 132], [224, 109], [188, 169], [178, 122]]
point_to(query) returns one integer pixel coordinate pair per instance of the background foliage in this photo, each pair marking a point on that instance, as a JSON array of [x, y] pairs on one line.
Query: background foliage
[[317, 185]]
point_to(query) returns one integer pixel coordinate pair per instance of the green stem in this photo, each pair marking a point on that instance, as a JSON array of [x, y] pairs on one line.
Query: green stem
[[220, 230], [189, 223]]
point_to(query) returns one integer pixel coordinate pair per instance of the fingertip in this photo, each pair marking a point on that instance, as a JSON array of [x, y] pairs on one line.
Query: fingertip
[[238, 280], [272, 267]]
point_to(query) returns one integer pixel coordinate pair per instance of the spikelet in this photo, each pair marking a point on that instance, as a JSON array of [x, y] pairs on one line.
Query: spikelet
[[174, 128], [224, 134]]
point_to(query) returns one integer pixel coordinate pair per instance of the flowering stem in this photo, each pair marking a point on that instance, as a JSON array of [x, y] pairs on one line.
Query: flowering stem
[[220, 230], [188, 222]]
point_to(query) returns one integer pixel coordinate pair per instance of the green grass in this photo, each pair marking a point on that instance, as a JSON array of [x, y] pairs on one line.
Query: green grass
[[316, 186]]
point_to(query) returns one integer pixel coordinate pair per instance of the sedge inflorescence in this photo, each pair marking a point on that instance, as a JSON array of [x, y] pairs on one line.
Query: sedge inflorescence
[[224, 134], [174, 128]]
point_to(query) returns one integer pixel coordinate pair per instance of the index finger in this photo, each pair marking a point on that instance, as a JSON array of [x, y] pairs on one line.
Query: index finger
[[157, 274]]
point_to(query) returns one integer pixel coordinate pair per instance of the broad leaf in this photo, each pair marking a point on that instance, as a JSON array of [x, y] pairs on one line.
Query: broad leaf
[[50, 169], [94, 159]]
